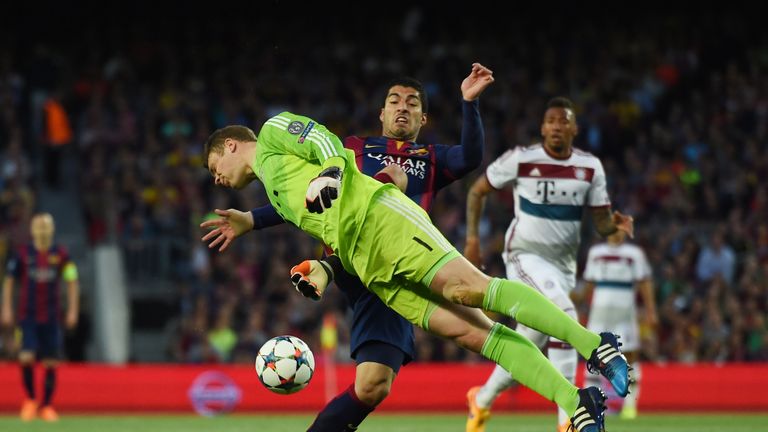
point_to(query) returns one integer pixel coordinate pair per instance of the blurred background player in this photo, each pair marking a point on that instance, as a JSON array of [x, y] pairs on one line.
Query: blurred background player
[[613, 271], [553, 183], [39, 267], [382, 340]]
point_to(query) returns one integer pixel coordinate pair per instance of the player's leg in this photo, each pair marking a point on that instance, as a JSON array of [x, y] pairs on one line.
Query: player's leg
[[548, 280], [399, 240], [471, 329], [460, 282], [481, 398], [400, 232], [599, 320], [556, 286], [51, 345], [381, 341], [396, 234], [29, 346], [630, 337], [373, 381], [622, 319], [629, 407]]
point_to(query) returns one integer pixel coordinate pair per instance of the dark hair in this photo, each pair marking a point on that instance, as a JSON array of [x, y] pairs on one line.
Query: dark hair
[[411, 83], [215, 142], [560, 102]]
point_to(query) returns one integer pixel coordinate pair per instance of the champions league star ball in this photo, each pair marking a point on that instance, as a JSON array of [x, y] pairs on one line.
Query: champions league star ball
[[285, 364]]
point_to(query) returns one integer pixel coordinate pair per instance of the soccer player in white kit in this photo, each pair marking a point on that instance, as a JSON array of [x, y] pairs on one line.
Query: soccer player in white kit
[[614, 270], [553, 183]]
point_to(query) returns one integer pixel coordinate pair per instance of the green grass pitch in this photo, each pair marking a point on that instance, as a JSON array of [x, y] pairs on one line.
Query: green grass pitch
[[384, 422]]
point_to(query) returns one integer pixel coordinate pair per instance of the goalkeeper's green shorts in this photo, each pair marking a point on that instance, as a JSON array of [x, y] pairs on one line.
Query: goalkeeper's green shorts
[[397, 254]]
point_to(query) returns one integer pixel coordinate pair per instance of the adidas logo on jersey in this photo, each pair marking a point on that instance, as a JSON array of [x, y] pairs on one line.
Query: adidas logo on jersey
[[535, 173]]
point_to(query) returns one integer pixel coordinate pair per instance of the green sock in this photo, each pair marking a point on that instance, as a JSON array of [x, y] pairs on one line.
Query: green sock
[[525, 362], [529, 307]]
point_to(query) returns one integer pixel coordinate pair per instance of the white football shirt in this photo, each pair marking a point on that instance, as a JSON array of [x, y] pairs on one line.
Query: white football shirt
[[615, 270], [550, 196]]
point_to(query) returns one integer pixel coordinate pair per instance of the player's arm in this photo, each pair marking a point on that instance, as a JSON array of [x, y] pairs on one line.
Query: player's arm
[[290, 134], [12, 272], [456, 161], [475, 204], [327, 147], [6, 313], [233, 223], [325, 188], [499, 173], [608, 222], [70, 276], [469, 154], [589, 277], [645, 287], [605, 220], [584, 295]]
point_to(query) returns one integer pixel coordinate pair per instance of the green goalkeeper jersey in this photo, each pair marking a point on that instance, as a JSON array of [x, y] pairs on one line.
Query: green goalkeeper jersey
[[291, 150]]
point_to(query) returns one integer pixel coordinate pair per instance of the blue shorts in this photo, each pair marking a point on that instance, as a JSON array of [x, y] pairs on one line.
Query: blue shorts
[[382, 353], [372, 320], [44, 339]]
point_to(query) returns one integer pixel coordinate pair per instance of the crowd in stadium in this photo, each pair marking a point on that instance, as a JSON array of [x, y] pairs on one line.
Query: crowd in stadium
[[679, 121]]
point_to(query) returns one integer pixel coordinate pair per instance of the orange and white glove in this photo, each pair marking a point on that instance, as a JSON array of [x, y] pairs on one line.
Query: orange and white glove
[[311, 278]]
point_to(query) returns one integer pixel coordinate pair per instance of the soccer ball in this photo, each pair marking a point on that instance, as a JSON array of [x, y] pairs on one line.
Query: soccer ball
[[285, 364]]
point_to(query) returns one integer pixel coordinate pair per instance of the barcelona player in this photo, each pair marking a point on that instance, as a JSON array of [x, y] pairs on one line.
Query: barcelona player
[[38, 267]]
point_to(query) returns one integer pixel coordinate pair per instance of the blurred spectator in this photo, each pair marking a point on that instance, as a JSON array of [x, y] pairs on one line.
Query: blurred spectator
[[716, 259], [221, 337], [57, 133]]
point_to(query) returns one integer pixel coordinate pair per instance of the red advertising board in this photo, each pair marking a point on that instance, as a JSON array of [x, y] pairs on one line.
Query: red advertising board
[[419, 387]]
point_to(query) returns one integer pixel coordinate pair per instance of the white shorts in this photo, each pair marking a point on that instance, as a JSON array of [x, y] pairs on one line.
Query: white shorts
[[621, 320], [546, 278]]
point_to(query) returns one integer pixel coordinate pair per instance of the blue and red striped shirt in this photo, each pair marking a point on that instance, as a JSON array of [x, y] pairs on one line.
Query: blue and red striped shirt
[[38, 274]]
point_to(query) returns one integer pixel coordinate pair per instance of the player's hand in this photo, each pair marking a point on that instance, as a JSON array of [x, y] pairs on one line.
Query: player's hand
[[70, 321], [472, 252], [311, 278], [232, 224], [396, 173], [624, 222], [479, 78], [323, 189]]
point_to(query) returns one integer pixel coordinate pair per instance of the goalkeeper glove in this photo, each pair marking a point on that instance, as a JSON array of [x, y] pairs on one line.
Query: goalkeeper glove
[[323, 189], [311, 278]]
